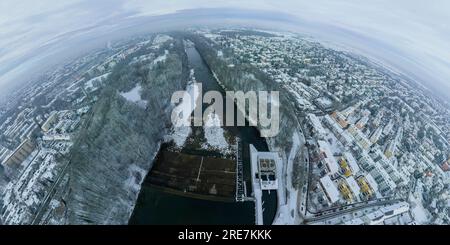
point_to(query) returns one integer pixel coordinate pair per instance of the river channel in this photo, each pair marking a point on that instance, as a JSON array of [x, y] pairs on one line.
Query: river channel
[[155, 206]]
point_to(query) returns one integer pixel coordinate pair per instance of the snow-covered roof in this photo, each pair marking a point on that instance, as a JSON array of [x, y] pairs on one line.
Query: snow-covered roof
[[355, 221], [317, 124], [332, 123], [371, 181], [396, 208], [375, 217], [384, 213], [346, 137], [328, 158], [351, 162], [353, 185], [330, 188], [386, 178]]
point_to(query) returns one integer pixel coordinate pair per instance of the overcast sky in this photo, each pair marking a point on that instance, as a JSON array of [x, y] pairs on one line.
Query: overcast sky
[[411, 35]]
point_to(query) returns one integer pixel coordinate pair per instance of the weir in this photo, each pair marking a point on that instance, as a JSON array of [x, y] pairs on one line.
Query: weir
[[240, 184], [194, 176], [163, 201]]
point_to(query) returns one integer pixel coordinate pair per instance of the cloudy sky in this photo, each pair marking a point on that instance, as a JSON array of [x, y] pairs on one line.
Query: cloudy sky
[[412, 36]]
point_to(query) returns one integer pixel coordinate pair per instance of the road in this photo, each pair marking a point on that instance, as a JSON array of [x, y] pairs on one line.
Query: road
[[48, 197], [349, 210]]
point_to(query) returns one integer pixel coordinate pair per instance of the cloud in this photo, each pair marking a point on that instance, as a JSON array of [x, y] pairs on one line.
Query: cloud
[[414, 35]]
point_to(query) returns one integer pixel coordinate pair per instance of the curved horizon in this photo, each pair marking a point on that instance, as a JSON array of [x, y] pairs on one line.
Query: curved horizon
[[28, 39]]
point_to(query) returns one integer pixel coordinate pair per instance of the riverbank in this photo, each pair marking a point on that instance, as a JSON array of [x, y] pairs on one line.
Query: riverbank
[[159, 206]]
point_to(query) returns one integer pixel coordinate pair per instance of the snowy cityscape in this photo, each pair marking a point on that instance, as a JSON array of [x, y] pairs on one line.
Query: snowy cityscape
[[91, 141], [371, 136]]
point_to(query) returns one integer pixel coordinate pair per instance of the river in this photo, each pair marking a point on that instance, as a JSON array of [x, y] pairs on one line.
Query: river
[[158, 207]]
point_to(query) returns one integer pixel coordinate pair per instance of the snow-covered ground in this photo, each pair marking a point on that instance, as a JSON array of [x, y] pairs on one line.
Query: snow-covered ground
[[142, 58], [25, 194], [181, 116], [89, 85], [214, 135], [161, 58], [287, 211], [335, 145], [419, 213], [136, 176], [161, 39], [324, 101], [300, 99], [134, 95]]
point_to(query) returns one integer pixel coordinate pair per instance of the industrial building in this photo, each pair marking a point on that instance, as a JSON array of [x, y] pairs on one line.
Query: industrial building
[[57, 137], [50, 121], [20, 153], [4, 153], [264, 173], [267, 169]]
